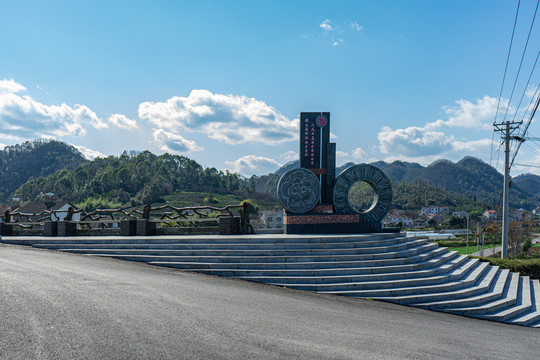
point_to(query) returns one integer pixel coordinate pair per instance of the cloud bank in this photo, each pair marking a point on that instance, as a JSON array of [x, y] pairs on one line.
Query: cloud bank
[[252, 164], [23, 118], [230, 119]]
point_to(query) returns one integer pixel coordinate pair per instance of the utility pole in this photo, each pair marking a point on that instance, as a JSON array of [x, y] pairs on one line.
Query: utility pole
[[506, 128]]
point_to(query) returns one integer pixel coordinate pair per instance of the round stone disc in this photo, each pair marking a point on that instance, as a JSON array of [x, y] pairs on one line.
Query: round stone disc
[[299, 190], [376, 179]]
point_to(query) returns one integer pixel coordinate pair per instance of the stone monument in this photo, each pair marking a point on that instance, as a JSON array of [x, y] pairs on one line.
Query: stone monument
[[315, 201]]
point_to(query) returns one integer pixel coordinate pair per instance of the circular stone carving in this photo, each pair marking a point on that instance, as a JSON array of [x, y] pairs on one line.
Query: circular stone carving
[[374, 177], [299, 190]]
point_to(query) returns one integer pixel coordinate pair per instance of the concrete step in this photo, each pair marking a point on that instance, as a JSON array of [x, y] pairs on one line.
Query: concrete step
[[270, 259], [317, 278], [304, 265], [399, 295], [381, 284], [219, 244], [428, 260], [533, 315], [495, 291], [376, 281], [508, 298], [249, 252], [475, 283], [522, 305], [374, 239]]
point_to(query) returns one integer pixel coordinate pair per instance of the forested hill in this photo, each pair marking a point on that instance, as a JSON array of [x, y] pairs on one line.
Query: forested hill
[[469, 178], [33, 159], [142, 177]]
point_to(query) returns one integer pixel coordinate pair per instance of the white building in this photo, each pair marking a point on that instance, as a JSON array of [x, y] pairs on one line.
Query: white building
[[460, 214], [490, 215], [395, 217], [434, 210], [270, 219]]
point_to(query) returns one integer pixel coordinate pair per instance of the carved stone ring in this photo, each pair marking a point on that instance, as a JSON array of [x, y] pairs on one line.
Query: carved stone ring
[[376, 179]]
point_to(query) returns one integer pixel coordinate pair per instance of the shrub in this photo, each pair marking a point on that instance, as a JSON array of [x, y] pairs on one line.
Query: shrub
[[527, 244], [526, 267]]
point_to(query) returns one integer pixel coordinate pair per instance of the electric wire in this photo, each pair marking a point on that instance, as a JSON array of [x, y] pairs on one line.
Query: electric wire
[[525, 131], [526, 86], [507, 60], [521, 61], [528, 165]]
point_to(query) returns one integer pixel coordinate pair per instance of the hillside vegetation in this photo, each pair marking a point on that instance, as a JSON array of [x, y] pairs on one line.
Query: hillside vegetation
[[30, 169], [468, 181], [19, 163], [135, 178]]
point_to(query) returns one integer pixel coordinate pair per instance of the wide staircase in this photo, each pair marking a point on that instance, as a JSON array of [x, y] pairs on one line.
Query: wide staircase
[[386, 267]]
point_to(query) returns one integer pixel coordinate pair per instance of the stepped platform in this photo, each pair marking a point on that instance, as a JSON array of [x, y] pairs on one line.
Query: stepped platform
[[386, 267]]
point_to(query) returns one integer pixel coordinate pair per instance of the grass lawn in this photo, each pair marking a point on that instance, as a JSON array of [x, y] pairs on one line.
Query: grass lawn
[[192, 198], [472, 249]]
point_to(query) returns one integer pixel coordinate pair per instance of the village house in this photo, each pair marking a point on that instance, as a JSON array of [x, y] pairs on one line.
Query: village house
[[434, 210], [489, 215], [420, 223], [394, 217], [35, 210], [271, 219], [460, 214]]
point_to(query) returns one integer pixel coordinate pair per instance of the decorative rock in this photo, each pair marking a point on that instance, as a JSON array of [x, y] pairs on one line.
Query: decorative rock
[[378, 181], [299, 190]]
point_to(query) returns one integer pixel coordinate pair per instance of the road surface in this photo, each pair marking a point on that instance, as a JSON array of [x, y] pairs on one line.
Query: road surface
[[56, 305]]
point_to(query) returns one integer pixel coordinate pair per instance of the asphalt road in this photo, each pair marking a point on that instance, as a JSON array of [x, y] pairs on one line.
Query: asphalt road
[[62, 306]]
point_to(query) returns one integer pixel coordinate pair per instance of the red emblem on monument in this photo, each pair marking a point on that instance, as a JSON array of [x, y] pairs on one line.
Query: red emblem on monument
[[321, 121]]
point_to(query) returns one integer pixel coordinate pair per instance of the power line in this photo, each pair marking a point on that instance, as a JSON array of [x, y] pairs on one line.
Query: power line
[[526, 86], [522, 57], [531, 102], [528, 165], [507, 60], [522, 137]]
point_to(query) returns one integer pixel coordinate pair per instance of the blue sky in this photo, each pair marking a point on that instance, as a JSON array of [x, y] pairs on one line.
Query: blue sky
[[223, 82]]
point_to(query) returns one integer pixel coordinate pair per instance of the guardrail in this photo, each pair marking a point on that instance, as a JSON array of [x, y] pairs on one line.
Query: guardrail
[[147, 220]]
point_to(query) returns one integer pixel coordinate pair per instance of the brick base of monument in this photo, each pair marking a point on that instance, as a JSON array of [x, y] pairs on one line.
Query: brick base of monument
[[327, 223]]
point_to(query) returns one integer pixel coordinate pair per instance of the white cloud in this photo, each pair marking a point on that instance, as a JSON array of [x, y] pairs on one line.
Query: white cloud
[[470, 115], [289, 155], [439, 139], [230, 119], [325, 25], [354, 25], [413, 141], [10, 87], [531, 91], [22, 117], [359, 154], [337, 42], [89, 154], [123, 122], [254, 165], [174, 143], [472, 146]]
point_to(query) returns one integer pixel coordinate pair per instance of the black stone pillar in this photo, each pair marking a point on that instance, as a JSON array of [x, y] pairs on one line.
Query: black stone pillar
[[128, 227], [51, 228], [66, 228], [145, 227], [229, 225], [6, 229]]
